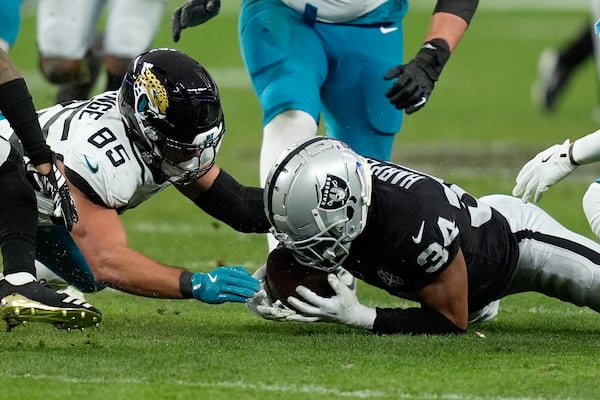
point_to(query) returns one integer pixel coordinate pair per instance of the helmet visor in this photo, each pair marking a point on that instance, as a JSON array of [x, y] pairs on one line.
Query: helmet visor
[[183, 163], [321, 251]]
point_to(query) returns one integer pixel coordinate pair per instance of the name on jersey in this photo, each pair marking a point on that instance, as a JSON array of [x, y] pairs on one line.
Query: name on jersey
[[404, 178], [98, 106]]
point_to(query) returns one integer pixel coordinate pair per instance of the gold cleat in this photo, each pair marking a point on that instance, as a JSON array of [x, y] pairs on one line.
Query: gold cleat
[[61, 310]]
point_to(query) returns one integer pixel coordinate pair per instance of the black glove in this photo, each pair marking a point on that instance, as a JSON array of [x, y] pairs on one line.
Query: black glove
[[192, 13], [54, 185], [417, 78]]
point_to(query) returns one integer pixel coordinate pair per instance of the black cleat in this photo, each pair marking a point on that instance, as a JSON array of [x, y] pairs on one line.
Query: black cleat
[[34, 302]]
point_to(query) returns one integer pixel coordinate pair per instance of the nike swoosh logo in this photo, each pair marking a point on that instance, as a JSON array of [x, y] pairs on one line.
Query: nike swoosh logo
[[386, 30], [417, 239], [93, 168], [211, 278]]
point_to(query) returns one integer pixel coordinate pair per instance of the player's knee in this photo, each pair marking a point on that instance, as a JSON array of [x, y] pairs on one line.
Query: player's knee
[[591, 207], [60, 70], [294, 124]]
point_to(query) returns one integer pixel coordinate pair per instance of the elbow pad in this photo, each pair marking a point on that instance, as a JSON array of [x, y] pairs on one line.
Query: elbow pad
[[413, 321], [240, 207], [464, 9]]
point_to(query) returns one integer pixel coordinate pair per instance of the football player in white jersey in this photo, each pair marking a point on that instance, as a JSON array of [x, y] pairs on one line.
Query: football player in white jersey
[[22, 297], [162, 127], [71, 49], [418, 238]]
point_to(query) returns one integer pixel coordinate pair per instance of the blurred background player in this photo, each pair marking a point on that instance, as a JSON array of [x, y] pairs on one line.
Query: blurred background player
[[72, 50], [343, 59], [22, 297], [556, 66]]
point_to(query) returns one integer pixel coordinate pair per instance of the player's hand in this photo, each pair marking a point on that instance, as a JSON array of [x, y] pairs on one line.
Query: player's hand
[[262, 305], [416, 79], [542, 171], [224, 284], [54, 185], [343, 308], [192, 13]]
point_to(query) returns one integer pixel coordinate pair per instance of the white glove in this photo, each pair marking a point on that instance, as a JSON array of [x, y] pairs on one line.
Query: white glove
[[544, 170], [263, 306], [343, 308]]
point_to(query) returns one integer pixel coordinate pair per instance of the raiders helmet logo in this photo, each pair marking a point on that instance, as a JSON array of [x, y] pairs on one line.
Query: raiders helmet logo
[[334, 193]]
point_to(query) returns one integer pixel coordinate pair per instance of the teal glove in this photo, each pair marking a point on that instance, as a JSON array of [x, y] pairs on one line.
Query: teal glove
[[224, 284]]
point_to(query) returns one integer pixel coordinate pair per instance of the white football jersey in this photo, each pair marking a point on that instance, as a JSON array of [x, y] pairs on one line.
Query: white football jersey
[[100, 159]]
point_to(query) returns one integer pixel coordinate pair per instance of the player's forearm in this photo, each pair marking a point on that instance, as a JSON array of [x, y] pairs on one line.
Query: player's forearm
[[7, 70], [413, 321], [240, 207], [448, 27], [132, 272], [586, 150]]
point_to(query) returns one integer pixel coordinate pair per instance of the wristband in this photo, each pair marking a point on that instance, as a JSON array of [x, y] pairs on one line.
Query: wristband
[[185, 285], [571, 154], [433, 55]]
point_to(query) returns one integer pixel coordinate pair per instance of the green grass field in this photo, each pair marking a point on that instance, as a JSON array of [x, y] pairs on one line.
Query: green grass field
[[478, 129]]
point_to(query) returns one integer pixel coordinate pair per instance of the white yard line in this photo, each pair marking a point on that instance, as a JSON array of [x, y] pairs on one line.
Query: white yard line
[[281, 388]]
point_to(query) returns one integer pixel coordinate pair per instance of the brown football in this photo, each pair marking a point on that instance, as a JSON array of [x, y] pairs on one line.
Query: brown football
[[283, 274]]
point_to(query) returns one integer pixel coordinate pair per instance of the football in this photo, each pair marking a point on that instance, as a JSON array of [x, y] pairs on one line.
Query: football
[[283, 274]]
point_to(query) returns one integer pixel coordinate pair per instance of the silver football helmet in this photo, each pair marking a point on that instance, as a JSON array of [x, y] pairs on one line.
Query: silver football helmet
[[317, 197], [173, 112]]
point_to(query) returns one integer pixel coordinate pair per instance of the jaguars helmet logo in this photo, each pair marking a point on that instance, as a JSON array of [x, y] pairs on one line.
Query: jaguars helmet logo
[[334, 193], [150, 94]]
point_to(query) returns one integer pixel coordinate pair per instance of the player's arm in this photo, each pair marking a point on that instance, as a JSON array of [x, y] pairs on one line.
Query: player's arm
[[102, 240], [555, 163], [416, 79], [444, 306], [17, 106], [224, 198], [192, 13]]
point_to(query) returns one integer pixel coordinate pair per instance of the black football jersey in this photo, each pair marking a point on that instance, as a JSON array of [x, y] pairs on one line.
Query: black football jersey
[[415, 227]]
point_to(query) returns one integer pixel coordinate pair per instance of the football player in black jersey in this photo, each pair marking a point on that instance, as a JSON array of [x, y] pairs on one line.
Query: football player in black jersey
[[22, 297], [419, 238]]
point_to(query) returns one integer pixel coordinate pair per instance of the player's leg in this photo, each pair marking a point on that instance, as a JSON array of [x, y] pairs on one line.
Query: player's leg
[[130, 28], [286, 64], [356, 110], [553, 260], [556, 66], [69, 45], [10, 22], [22, 298]]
